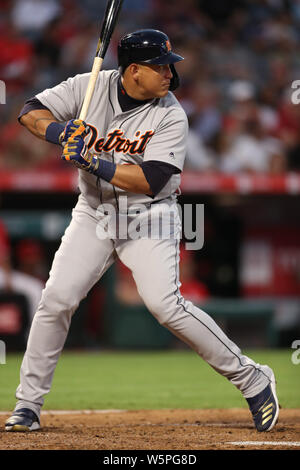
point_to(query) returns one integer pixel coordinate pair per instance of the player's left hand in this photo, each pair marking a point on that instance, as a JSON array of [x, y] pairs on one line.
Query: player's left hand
[[74, 127], [76, 151]]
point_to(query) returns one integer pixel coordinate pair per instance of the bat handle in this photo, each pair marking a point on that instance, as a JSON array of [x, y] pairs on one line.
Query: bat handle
[[91, 86]]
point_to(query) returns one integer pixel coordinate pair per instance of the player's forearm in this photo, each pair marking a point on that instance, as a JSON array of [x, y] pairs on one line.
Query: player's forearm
[[37, 122], [131, 178]]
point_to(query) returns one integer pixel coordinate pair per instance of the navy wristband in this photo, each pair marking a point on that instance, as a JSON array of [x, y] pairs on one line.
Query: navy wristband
[[53, 132], [105, 170]]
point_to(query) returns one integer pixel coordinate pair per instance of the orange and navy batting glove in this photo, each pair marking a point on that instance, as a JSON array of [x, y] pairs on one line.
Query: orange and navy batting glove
[[76, 151], [74, 127], [56, 133]]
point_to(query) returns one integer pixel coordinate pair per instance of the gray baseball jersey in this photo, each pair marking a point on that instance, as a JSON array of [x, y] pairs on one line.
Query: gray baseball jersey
[[155, 131]]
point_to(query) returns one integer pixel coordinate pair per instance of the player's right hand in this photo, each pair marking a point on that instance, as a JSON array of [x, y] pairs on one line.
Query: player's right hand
[[76, 151], [74, 128]]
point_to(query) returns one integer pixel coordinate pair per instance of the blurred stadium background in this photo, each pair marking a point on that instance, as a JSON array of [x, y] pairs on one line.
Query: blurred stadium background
[[243, 164]]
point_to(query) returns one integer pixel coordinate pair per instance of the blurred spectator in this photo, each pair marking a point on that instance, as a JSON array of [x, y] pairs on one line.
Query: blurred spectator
[[32, 16], [180, 20], [30, 259], [198, 156], [220, 11], [268, 112], [47, 47], [191, 287], [78, 52], [12, 280], [242, 105], [205, 121], [93, 8], [19, 150], [229, 59], [247, 140], [207, 115], [288, 130], [16, 58], [135, 12], [278, 31], [240, 59], [254, 151]]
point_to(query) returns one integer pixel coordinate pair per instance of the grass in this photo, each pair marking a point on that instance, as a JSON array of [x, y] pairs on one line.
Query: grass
[[146, 380]]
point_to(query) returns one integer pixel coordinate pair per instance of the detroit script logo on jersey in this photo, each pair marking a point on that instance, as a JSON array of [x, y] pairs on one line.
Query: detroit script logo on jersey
[[117, 141]]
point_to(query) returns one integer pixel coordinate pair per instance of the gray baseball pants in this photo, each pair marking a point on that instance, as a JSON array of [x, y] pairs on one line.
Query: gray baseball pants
[[79, 263]]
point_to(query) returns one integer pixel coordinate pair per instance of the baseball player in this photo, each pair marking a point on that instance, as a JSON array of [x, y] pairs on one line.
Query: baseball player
[[131, 147]]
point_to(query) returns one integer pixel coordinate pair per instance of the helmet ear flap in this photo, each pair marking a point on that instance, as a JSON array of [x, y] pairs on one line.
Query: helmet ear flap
[[175, 81]]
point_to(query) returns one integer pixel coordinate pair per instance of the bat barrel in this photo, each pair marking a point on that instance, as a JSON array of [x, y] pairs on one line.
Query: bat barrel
[[111, 15], [109, 22]]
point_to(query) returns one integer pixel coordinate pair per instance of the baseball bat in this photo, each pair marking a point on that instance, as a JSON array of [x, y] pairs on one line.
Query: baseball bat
[[110, 18]]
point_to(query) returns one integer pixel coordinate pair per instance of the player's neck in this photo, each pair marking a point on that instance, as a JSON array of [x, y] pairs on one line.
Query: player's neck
[[134, 92], [127, 102]]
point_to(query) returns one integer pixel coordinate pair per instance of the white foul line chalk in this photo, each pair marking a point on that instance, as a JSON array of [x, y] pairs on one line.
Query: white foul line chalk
[[71, 412], [265, 443], [77, 412]]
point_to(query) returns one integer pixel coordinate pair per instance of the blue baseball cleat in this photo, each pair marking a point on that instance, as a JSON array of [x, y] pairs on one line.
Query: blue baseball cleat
[[265, 408], [22, 420]]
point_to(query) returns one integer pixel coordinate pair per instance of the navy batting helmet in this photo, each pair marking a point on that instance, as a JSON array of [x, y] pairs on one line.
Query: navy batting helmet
[[148, 46]]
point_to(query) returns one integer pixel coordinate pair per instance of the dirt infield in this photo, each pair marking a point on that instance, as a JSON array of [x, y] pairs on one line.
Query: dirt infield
[[155, 430]]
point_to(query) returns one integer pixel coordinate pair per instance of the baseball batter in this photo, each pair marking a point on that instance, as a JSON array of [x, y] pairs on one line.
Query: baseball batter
[[130, 147]]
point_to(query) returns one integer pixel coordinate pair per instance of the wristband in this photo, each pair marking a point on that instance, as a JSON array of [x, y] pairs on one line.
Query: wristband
[[105, 170], [53, 132]]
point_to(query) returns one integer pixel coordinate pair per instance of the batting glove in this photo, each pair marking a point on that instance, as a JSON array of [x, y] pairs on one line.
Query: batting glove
[[74, 127], [76, 151]]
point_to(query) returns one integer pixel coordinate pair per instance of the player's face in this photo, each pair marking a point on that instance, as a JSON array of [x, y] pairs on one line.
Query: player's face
[[154, 80]]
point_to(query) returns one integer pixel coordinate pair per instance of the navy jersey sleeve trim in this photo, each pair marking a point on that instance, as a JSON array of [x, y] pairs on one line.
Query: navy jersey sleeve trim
[[30, 105], [158, 174]]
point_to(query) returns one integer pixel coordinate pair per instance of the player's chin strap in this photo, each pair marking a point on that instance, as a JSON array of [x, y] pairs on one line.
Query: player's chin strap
[[76, 151]]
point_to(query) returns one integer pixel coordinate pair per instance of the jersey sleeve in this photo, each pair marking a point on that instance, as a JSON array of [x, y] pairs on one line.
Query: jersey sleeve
[[31, 105], [158, 174], [168, 143], [65, 100]]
